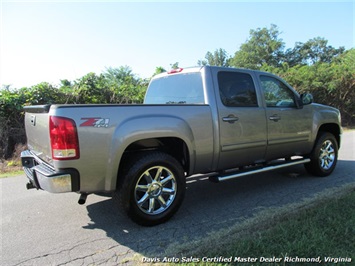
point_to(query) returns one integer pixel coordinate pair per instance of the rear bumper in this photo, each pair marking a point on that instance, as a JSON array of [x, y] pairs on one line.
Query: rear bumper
[[43, 176]]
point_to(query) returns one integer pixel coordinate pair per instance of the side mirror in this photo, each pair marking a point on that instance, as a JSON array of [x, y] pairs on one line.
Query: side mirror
[[306, 98]]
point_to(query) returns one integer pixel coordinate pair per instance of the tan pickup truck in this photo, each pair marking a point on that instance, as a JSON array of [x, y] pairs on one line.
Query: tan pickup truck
[[223, 122]]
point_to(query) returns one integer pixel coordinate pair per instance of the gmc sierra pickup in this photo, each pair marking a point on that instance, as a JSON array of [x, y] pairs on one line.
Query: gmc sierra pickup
[[222, 122]]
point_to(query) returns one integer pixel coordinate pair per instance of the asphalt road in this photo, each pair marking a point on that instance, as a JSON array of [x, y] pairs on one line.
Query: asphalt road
[[39, 228]]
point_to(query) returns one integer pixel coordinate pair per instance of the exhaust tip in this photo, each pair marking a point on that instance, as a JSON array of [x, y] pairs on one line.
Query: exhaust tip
[[82, 198]]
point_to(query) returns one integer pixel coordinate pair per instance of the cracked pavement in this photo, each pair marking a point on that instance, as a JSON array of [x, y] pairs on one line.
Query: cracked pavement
[[39, 228]]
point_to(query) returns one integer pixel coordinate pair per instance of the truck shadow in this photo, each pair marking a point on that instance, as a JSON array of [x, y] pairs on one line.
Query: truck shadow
[[208, 207]]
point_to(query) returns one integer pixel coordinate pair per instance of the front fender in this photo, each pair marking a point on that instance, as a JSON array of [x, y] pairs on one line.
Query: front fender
[[328, 119]]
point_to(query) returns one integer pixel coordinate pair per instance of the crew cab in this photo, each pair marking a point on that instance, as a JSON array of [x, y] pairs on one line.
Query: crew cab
[[222, 122]]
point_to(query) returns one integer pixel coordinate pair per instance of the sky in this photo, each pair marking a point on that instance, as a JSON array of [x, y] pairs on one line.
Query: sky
[[48, 41]]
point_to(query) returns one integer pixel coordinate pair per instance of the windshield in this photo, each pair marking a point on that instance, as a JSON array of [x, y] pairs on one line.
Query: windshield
[[176, 89]]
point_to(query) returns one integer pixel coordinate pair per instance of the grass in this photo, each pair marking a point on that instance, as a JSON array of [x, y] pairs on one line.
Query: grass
[[323, 226], [349, 128], [319, 227], [11, 173], [12, 166]]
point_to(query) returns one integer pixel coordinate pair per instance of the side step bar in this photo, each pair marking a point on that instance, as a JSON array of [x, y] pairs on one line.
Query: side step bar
[[217, 179]]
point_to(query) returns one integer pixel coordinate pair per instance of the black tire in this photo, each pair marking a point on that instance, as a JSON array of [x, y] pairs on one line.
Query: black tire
[[324, 156], [153, 188]]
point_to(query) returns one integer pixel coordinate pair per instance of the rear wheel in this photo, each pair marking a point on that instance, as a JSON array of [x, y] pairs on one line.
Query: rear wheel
[[324, 156], [153, 188]]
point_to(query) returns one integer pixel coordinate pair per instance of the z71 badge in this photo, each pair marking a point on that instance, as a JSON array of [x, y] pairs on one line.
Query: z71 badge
[[95, 122]]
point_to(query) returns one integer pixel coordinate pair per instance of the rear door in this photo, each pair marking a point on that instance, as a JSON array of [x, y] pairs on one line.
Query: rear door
[[242, 121], [289, 125]]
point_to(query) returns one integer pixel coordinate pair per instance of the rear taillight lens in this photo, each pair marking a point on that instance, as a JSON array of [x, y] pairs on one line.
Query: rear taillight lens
[[64, 138]]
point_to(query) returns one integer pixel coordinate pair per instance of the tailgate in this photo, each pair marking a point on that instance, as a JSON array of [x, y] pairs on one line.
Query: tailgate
[[37, 130]]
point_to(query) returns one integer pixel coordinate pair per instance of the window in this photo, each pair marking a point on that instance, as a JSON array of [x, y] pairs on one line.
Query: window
[[276, 93], [176, 89], [237, 89]]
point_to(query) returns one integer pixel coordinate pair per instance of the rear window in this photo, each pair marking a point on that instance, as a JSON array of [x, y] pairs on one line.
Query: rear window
[[176, 89], [237, 89]]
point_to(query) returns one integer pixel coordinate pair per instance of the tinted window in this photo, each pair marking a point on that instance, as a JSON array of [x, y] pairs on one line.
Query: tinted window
[[277, 94], [237, 89], [176, 89]]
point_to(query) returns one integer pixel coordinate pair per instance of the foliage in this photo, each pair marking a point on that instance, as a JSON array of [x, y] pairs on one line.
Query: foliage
[[218, 58], [331, 83], [159, 70], [124, 86], [10, 119], [322, 226], [263, 47], [174, 65], [115, 85], [314, 66], [313, 51], [89, 89]]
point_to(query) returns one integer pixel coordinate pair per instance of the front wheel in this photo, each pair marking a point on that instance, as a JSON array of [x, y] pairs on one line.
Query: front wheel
[[324, 156], [153, 188]]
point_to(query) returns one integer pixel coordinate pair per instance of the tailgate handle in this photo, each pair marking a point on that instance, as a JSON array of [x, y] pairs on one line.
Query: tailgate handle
[[33, 120]]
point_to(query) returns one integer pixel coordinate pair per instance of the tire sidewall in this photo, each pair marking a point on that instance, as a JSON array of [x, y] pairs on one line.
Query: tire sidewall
[[315, 166], [143, 163]]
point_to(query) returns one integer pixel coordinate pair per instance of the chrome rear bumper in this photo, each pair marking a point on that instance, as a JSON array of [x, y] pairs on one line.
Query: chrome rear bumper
[[42, 176]]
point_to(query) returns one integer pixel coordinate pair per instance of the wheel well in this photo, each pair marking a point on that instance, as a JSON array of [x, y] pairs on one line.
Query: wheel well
[[173, 146], [331, 128]]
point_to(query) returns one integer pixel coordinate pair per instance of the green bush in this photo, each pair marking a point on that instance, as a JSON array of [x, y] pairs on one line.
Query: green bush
[[114, 86], [331, 82]]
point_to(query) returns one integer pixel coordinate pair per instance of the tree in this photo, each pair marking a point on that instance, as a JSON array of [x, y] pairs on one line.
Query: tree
[[175, 65], [125, 87], [263, 47], [6, 87], [116, 85], [42, 93], [91, 88], [115, 76], [159, 70], [330, 83], [65, 83], [218, 58], [313, 51], [11, 121]]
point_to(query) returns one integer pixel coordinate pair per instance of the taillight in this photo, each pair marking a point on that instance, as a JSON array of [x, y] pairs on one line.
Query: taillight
[[64, 138]]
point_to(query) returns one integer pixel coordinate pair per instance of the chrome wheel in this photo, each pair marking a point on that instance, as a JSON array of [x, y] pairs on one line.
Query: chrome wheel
[[324, 155], [155, 190], [327, 155]]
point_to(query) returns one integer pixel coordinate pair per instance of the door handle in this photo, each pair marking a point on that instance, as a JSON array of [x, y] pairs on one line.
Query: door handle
[[275, 118], [230, 119]]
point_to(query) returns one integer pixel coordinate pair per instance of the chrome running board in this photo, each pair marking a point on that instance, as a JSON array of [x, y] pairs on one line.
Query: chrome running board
[[257, 170]]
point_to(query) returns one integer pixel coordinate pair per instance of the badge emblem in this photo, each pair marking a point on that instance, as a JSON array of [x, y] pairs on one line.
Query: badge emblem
[[95, 122]]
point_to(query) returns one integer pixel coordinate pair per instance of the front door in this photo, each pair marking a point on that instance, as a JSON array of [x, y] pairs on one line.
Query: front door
[[289, 126], [243, 129]]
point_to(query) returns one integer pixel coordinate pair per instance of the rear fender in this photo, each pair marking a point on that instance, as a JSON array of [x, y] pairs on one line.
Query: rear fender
[[131, 131]]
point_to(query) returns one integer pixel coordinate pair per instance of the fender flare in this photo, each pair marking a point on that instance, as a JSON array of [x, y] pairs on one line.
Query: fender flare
[[131, 131]]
